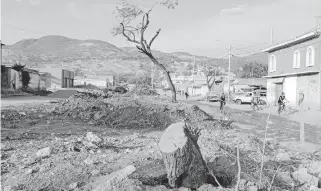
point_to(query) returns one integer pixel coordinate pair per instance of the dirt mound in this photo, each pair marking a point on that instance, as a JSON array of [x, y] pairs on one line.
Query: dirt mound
[[62, 93], [127, 112], [143, 90]]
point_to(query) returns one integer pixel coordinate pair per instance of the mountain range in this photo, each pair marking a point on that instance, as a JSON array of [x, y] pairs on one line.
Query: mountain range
[[96, 58]]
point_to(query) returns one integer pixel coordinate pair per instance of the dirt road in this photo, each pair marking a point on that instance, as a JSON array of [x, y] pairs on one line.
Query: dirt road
[[281, 128], [23, 100]]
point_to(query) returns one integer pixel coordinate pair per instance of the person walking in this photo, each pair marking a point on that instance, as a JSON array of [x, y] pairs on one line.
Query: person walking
[[222, 102], [186, 95], [255, 100]]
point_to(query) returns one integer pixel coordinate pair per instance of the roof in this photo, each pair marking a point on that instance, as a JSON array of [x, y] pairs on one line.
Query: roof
[[292, 42], [251, 81], [292, 74]]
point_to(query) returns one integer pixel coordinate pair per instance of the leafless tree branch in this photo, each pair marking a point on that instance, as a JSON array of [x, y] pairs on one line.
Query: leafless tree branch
[[151, 41], [125, 35]]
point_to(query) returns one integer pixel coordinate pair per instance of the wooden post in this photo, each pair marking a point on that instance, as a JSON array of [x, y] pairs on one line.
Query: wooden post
[[302, 137]]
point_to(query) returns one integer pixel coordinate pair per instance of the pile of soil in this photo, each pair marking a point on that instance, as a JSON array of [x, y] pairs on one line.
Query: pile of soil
[[127, 112], [143, 90]]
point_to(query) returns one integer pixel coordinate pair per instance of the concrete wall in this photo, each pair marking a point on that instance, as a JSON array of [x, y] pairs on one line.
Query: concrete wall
[[60, 78], [34, 81], [310, 86], [289, 89], [10, 76], [284, 58]]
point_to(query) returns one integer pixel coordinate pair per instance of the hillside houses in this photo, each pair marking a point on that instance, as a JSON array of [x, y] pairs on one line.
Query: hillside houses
[[294, 68]]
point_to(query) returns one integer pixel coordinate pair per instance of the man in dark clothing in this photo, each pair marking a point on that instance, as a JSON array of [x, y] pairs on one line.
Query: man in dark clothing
[[222, 102], [186, 95], [281, 102]]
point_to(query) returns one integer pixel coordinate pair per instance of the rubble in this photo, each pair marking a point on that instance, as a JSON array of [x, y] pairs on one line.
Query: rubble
[[110, 181], [304, 178], [44, 152]]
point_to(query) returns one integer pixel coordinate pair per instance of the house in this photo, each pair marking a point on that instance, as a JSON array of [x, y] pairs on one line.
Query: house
[[59, 78], [110, 80], [10, 78], [294, 68], [34, 78]]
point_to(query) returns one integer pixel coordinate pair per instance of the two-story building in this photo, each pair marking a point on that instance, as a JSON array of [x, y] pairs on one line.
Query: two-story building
[[294, 68]]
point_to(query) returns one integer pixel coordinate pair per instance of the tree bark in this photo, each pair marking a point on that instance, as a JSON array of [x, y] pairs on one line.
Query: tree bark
[[166, 74], [182, 157]]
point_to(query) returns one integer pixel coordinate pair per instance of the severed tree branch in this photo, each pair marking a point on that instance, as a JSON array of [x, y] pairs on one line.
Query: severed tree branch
[[151, 41]]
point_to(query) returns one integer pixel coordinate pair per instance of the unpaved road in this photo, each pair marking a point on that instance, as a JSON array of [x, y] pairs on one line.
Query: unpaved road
[[22, 100], [281, 128]]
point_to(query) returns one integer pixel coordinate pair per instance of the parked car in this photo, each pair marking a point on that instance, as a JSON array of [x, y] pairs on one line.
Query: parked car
[[212, 96], [247, 98], [119, 89]]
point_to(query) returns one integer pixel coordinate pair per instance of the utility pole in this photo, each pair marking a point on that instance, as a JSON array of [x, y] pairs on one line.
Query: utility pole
[[229, 73], [317, 20], [193, 76], [271, 36]]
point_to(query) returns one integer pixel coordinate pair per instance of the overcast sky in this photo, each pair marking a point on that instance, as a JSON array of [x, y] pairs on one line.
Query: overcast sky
[[202, 27]]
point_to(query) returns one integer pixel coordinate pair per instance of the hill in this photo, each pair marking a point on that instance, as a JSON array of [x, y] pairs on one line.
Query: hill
[[97, 58]]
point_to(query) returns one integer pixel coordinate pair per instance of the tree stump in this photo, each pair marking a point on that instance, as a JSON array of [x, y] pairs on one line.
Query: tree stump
[[182, 157]]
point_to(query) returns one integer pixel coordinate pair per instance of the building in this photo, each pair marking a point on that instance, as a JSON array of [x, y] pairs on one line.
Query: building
[[59, 78], [34, 78], [10, 78], [294, 68]]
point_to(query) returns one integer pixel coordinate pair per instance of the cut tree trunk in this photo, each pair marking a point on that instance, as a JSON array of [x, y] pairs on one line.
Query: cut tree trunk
[[182, 157]]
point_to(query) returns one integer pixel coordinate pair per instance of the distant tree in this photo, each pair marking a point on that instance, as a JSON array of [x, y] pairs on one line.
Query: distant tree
[[128, 13], [18, 67], [254, 70], [210, 72], [24, 76], [25, 79]]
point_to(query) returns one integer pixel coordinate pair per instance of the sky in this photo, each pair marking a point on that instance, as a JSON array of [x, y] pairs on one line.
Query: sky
[[200, 27]]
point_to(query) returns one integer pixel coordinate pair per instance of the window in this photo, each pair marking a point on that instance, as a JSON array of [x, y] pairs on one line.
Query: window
[[310, 56], [272, 66], [296, 59]]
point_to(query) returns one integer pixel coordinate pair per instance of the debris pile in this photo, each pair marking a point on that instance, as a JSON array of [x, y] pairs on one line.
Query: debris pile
[[126, 112], [143, 90]]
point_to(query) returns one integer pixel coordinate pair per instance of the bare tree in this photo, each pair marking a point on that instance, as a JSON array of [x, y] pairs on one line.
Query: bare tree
[[129, 13], [210, 72]]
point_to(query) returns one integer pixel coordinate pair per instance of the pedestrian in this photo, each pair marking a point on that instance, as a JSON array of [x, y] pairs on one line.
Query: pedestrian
[[222, 102], [255, 100], [186, 95]]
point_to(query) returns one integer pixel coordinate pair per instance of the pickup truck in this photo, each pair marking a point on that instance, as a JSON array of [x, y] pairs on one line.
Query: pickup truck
[[247, 98]]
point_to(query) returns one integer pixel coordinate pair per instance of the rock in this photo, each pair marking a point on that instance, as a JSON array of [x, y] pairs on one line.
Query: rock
[[303, 177], [91, 137], [206, 187], [313, 188], [73, 185], [253, 188], [283, 157], [285, 178], [8, 188], [89, 144], [44, 152], [315, 168], [29, 171], [108, 182], [95, 172], [153, 173], [89, 161], [23, 113], [242, 185], [183, 189]]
